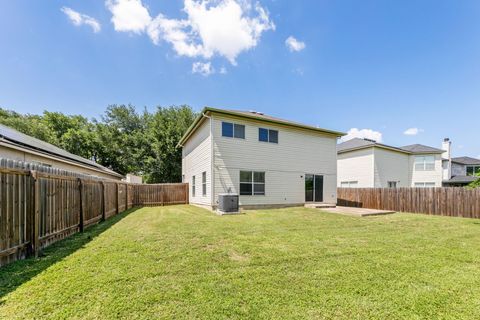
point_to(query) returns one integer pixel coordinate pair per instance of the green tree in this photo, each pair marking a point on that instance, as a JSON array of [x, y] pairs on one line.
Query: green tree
[[123, 139], [76, 134], [475, 184], [166, 127], [31, 125]]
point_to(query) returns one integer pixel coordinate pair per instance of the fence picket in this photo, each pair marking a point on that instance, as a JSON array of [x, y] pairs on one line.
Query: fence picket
[[455, 202], [41, 205]]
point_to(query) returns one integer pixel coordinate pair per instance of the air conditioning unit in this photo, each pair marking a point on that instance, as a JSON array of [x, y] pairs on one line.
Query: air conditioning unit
[[228, 203]]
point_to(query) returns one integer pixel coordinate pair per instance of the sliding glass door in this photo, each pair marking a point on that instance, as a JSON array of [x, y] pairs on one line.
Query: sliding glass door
[[313, 188]]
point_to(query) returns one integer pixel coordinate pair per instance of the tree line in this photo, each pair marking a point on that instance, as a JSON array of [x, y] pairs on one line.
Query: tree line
[[122, 139]]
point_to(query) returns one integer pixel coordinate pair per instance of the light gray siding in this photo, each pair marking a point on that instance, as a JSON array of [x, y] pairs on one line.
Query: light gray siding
[[374, 167], [357, 166], [285, 164], [458, 169], [391, 166], [433, 176], [196, 159]]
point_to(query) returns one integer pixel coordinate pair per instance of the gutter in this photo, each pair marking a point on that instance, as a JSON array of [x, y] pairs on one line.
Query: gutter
[[190, 129]]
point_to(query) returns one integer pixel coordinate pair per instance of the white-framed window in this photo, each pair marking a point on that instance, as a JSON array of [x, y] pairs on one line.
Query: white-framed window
[[233, 130], [193, 186], [473, 170], [252, 183], [424, 184], [424, 163], [204, 183], [392, 184], [267, 135], [349, 184]]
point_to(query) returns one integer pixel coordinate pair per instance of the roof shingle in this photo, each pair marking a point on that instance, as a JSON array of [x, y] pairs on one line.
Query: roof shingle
[[466, 161]]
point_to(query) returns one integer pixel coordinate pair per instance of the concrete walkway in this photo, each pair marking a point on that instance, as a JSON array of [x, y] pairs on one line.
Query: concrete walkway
[[359, 212]]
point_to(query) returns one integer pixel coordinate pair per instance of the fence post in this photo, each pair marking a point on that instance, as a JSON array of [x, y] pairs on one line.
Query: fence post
[[162, 195], [103, 200], [126, 196], [187, 190], [118, 198], [80, 188], [35, 243]]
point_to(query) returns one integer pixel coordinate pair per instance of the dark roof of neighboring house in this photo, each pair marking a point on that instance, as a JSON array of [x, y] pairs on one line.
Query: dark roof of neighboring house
[[420, 148], [24, 141], [357, 144], [461, 179], [254, 116], [466, 160]]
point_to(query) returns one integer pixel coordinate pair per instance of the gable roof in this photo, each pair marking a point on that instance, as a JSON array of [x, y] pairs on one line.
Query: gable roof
[[466, 160], [357, 144], [253, 116], [14, 137], [420, 148], [354, 144]]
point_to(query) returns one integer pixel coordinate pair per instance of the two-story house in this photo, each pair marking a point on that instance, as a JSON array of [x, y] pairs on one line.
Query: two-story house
[[267, 161], [364, 163]]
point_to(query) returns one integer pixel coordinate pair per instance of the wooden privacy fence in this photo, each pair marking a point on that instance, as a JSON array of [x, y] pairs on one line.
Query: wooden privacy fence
[[455, 202], [161, 194], [39, 208]]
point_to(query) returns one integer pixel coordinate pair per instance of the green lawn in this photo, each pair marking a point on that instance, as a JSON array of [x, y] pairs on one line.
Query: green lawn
[[185, 262]]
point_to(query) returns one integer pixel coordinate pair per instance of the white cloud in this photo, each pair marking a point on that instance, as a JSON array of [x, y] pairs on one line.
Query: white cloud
[[205, 69], [129, 15], [363, 133], [222, 27], [412, 131], [79, 19], [223, 70], [298, 71], [294, 45]]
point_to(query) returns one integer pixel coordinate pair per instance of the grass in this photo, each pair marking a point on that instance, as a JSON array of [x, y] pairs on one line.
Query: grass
[[185, 262]]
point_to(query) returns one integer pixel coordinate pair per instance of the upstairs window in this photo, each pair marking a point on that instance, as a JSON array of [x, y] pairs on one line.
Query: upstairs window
[[473, 170], [233, 130], [424, 163], [267, 135], [252, 183], [193, 186], [204, 183]]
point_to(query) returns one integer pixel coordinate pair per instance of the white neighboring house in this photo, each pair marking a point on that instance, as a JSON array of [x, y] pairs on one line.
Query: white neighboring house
[[364, 163], [268, 161]]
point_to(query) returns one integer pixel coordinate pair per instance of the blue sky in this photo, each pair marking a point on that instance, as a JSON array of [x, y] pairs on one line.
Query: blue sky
[[378, 66]]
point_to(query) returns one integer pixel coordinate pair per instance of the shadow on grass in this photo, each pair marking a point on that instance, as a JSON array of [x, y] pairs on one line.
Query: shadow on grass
[[18, 272]]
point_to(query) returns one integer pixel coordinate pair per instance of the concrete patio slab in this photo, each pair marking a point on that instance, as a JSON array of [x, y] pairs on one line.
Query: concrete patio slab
[[359, 212]]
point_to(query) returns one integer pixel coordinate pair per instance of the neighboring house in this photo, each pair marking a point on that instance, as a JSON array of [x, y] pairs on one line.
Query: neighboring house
[[21, 147], [267, 161], [131, 178], [364, 163], [459, 171]]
